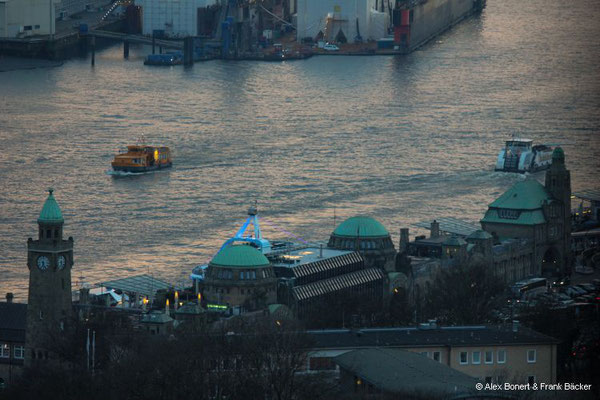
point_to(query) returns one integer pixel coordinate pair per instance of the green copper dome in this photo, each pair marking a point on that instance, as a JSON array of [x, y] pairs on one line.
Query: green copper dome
[[361, 226], [51, 211], [558, 155], [240, 256]]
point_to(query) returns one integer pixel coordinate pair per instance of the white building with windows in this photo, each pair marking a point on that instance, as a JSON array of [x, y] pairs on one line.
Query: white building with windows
[[23, 18], [13, 318], [498, 354]]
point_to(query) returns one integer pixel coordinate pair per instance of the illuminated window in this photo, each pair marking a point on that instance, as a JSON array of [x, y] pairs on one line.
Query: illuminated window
[[531, 356], [4, 350]]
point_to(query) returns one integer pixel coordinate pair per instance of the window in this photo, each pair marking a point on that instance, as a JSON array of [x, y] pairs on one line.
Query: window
[[531, 379], [464, 357], [48, 233], [424, 353], [476, 357], [27, 28], [19, 352], [489, 357], [242, 275], [36, 27], [4, 350], [501, 356], [321, 364], [531, 356], [437, 356]]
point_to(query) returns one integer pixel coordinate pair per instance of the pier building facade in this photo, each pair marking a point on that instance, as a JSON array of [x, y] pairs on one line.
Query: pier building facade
[[320, 285], [240, 276], [539, 217], [368, 237]]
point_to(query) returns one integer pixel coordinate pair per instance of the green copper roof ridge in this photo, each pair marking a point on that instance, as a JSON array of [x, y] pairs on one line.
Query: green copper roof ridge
[[51, 210]]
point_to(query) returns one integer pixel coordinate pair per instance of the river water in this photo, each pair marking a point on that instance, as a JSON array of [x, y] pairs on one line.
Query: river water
[[402, 139]]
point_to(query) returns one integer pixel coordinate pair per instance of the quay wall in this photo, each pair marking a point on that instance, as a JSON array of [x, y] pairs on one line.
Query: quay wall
[[434, 17]]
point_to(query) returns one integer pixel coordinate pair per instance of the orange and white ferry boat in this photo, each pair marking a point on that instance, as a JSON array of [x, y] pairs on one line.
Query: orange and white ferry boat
[[142, 158]]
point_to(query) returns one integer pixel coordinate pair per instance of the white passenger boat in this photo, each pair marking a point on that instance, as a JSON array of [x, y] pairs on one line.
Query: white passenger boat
[[520, 155]]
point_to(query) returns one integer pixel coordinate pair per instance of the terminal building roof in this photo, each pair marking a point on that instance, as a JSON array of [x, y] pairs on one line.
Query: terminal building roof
[[422, 337], [240, 256], [337, 283], [400, 371], [140, 284], [305, 255], [51, 211], [13, 321], [361, 226], [524, 195], [451, 225]]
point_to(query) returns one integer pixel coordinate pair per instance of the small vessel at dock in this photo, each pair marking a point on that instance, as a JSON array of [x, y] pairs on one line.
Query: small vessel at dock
[[520, 155], [142, 158]]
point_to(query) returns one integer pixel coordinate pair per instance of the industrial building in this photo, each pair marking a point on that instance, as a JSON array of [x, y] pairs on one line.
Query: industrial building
[[349, 19], [24, 18], [172, 18]]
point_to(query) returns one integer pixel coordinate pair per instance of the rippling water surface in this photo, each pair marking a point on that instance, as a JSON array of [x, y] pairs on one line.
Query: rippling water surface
[[402, 139]]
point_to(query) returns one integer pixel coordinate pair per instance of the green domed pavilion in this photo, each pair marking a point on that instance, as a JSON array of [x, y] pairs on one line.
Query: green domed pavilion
[[238, 275], [367, 236]]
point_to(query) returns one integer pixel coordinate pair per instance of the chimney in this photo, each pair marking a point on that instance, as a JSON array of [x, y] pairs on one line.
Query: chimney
[[435, 229], [403, 245], [515, 326], [9, 297], [84, 296]]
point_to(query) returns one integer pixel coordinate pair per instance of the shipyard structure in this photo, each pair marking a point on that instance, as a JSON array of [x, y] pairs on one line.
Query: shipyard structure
[[242, 29]]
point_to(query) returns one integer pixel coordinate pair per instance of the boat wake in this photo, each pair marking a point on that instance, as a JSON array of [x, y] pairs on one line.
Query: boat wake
[[125, 173]]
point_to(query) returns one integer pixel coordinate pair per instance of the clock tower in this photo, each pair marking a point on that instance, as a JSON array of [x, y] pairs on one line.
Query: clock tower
[[49, 259]]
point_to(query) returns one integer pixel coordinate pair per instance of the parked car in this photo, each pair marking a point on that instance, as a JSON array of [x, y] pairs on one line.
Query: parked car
[[564, 281], [588, 287], [573, 291], [580, 269], [331, 47]]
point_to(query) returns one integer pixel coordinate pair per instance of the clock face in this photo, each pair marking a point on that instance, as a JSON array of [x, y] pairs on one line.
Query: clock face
[[62, 261], [43, 263]]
